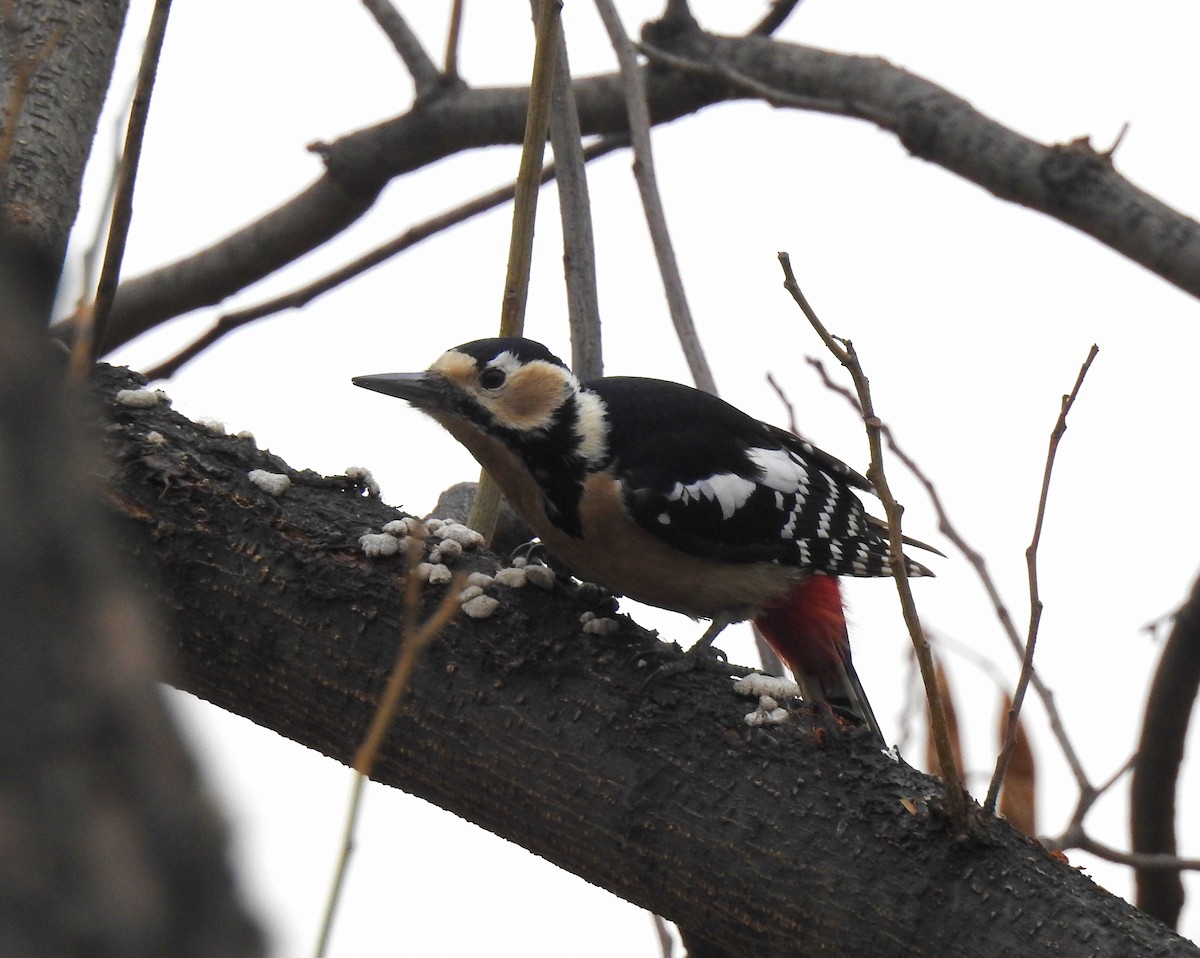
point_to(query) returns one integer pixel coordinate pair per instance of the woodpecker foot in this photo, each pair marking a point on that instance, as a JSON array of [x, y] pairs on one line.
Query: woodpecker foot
[[701, 656]]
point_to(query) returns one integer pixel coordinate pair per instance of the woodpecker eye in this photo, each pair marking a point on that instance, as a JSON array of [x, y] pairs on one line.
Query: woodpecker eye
[[492, 378]]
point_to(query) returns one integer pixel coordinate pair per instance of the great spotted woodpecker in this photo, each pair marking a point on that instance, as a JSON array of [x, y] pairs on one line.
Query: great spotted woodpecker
[[668, 495]]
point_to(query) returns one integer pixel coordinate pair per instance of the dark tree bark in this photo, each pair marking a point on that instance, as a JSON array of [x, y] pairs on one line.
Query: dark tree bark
[[1152, 806], [57, 59], [759, 841], [108, 844]]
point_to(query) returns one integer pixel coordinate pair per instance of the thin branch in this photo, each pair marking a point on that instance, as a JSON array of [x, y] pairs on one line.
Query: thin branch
[[579, 252], [979, 565], [643, 172], [485, 509], [415, 641], [1146, 860], [453, 35], [90, 335], [774, 18], [90, 259], [520, 249], [410, 237], [843, 350], [425, 74], [1035, 602]]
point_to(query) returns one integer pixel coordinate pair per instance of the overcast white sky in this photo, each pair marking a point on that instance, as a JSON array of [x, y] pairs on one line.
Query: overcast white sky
[[971, 316]]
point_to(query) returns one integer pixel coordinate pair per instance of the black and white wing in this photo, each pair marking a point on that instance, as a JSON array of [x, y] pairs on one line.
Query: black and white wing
[[714, 482]]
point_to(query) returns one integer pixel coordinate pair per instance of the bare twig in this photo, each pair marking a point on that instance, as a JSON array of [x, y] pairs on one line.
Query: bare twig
[[579, 253], [90, 334], [774, 18], [90, 260], [410, 237], [843, 350], [643, 171], [520, 250], [425, 74], [1035, 602], [453, 34], [416, 640], [979, 565], [486, 508]]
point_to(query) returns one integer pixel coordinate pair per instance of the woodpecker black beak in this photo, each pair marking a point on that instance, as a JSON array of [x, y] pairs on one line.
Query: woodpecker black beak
[[420, 389]]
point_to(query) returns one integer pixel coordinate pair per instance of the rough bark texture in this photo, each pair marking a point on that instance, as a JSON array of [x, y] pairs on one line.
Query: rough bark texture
[[57, 59], [767, 841]]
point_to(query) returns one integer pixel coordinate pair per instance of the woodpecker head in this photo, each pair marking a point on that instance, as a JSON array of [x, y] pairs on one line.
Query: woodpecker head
[[513, 393]]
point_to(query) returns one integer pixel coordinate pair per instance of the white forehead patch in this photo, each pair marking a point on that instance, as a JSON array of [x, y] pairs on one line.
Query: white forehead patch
[[506, 361]]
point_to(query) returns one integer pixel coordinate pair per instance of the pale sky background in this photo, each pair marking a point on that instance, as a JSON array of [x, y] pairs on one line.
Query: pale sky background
[[971, 316]]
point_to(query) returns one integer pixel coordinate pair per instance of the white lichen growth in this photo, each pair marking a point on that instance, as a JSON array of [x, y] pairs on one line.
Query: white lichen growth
[[469, 593], [439, 574], [379, 544], [540, 575], [773, 685], [245, 434], [466, 537], [481, 579], [272, 483], [156, 438], [599, 625], [408, 526], [365, 479], [481, 606], [511, 578], [215, 426], [761, 717], [446, 551], [142, 398]]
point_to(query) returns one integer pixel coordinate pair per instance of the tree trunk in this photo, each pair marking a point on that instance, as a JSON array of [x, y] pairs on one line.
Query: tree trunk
[[108, 844]]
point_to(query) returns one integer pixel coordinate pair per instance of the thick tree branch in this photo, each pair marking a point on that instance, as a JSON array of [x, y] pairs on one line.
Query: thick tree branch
[[1071, 182], [541, 734]]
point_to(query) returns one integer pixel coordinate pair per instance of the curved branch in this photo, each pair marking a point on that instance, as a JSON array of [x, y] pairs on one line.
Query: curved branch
[[542, 735], [1071, 183], [1152, 809]]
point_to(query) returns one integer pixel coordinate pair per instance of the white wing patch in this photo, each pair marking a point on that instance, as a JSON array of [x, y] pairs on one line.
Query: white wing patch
[[729, 491], [780, 470]]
